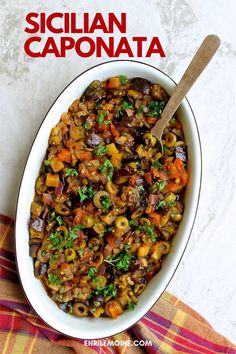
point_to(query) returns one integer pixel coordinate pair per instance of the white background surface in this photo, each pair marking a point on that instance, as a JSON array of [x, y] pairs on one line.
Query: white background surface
[[205, 278]]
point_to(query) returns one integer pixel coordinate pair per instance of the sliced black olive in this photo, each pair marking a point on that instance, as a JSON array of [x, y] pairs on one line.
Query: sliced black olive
[[141, 85], [181, 153]]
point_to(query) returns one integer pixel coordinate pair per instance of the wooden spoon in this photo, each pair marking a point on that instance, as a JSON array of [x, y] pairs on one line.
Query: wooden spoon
[[199, 62]]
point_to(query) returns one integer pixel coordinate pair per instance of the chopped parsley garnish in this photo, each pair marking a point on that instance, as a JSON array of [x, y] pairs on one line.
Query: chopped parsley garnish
[[43, 253], [105, 201], [101, 118], [72, 235], [80, 252], [133, 223], [108, 290], [161, 185], [87, 125], [123, 79], [149, 230], [156, 108], [53, 279], [131, 306], [158, 165], [56, 241], [59, 220], [47, 162], [120, 261], [127, 105], [162, 204], [101, 150], [71, 172], [53, 258], [86, 193], [107, 169], [92, 272], [141, 188], [172, 121]]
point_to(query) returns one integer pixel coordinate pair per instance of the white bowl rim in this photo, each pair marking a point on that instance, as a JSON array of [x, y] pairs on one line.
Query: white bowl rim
[[193, 218]]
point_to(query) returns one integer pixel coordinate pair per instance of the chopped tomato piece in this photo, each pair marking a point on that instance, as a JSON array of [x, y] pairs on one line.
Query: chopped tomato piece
[[184, 178], [79, 213], [155, 217], [115, 132], [155, 172], [151, 120], [148, 177], [111, 240], [114, 82], [177, 124], [179, 164], [65, 155], [174, 187], [85, 156]]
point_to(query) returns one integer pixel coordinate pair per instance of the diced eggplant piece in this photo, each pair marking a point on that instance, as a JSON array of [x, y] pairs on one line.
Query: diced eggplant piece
[[141, 85], [40, 269], [33, 250], [181, 153], [37, 224], [93, 140]]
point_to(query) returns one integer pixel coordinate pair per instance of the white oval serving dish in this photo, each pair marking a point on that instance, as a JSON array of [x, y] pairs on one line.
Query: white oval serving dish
[[89, 328]]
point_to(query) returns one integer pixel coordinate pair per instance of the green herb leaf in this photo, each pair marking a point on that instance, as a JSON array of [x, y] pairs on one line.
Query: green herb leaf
[[53, 279], [127, 105], [92, 272], [123, 79], [80, 252], [56, 241], [107, 169], [105, 201], [86, 193], [87, 125], [141, 188], [59, 220], [43, 253], [158, 165], [71, 172], [156, 108], [149, 230], [101, 117], [161, 185], [101, 150], [162, 204], [120, 261], [72, 235], [131, 306], [47, 162], [54, 258], [133, 223]]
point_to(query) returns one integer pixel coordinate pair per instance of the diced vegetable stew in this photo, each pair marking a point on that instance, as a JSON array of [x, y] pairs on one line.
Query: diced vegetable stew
[[107, 203]]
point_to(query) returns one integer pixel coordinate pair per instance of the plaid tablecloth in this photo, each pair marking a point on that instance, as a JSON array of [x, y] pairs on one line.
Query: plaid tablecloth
[[171, 325]]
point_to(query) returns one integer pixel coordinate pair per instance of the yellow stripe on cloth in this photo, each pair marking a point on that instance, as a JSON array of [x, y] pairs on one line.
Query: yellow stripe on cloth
[[9, 334]]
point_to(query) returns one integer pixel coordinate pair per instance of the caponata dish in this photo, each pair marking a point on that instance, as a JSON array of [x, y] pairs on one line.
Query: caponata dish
[[107, 203]]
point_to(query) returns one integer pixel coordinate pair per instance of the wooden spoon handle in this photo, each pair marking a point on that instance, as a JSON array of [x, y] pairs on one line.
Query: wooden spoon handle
[[201, 59]]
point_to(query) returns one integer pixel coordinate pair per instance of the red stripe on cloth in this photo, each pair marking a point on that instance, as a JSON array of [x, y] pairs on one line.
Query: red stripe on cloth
[[8, 275], [185, 345], [181, 340], [6, 219], [7, 254], [5, 263], [187, 334]]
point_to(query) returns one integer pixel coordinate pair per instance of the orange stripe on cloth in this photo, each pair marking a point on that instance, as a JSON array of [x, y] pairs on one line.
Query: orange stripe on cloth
[[171, 326]]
